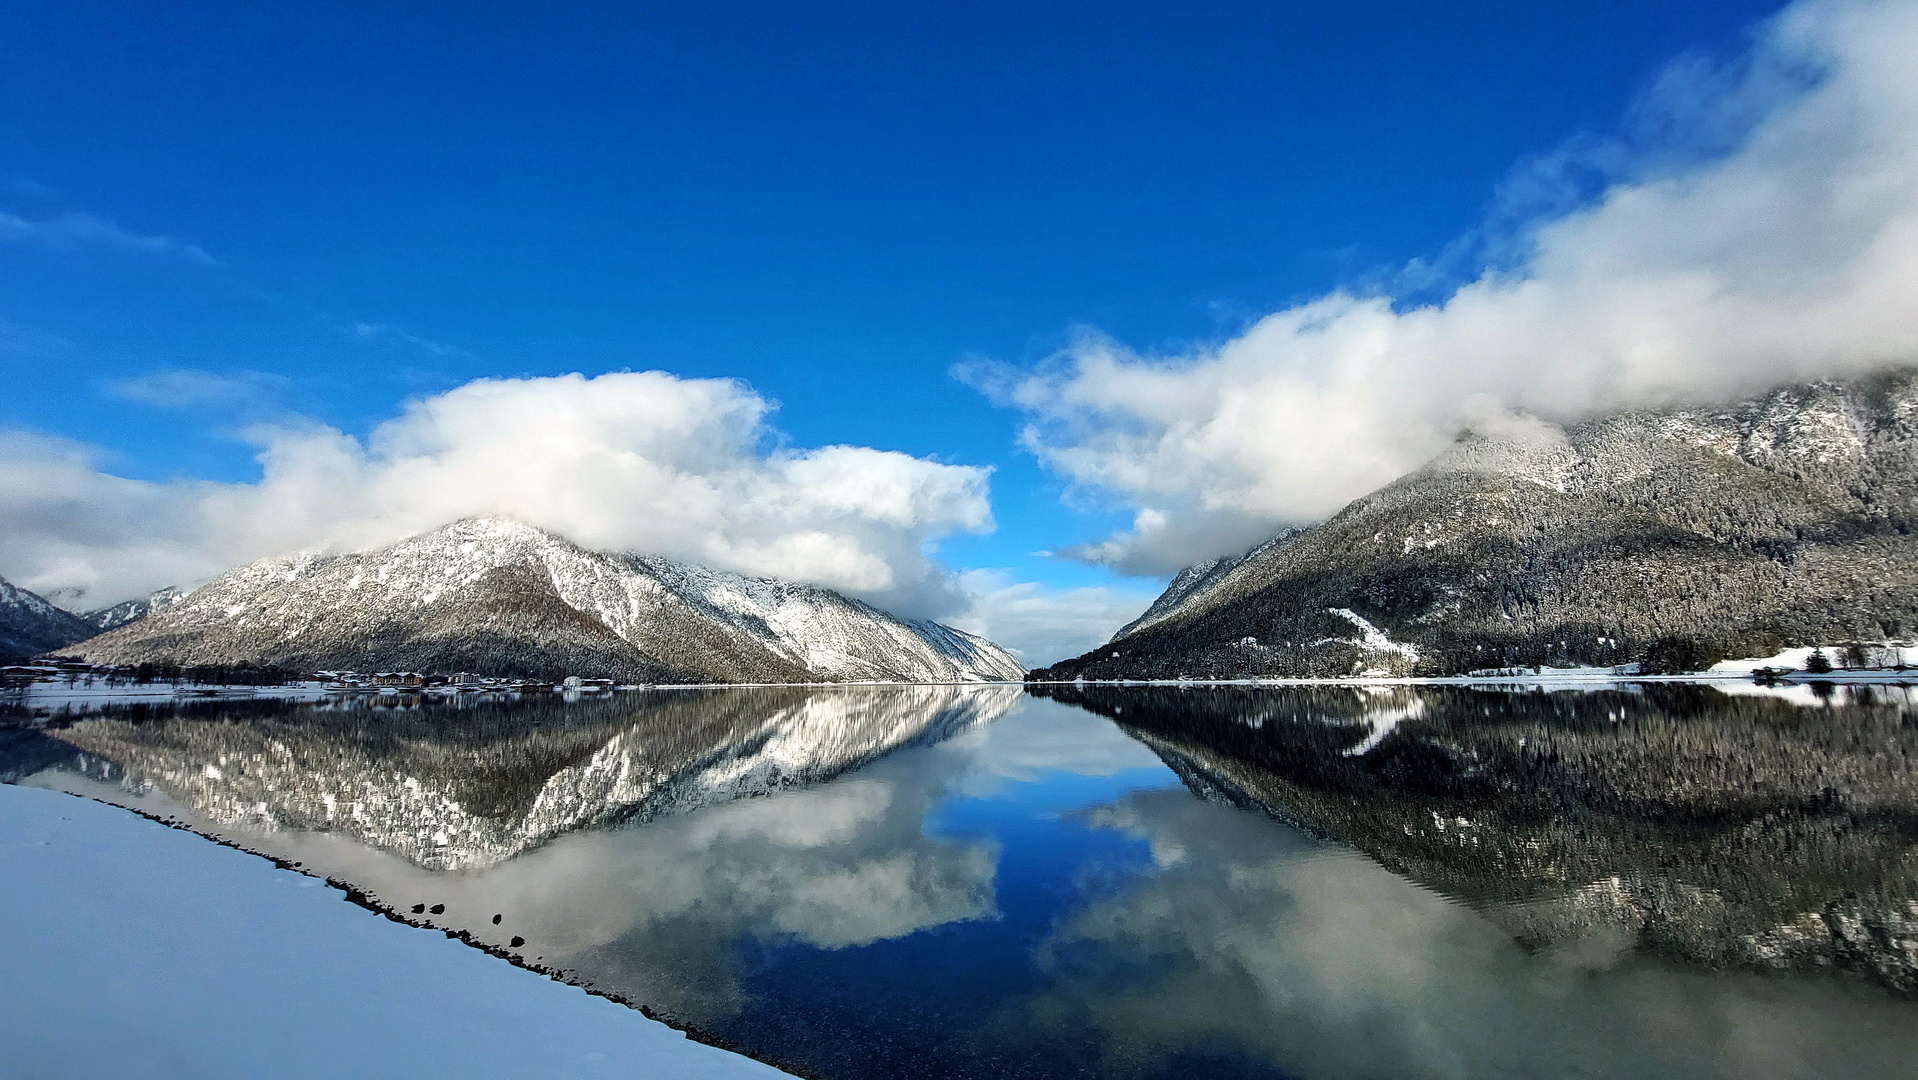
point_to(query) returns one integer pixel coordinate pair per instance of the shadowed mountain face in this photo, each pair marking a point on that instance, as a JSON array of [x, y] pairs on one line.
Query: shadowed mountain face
[[1670, 538], [1726, 831], [31, 625], [450, 789], [502, 598]]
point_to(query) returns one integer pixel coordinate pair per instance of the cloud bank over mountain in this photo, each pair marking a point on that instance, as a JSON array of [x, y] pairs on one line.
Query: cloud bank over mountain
[[687, 468], [1043, 624], [1758, 223]]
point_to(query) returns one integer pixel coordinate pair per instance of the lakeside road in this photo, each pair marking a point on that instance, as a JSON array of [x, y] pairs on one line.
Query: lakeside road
[[132, 950]]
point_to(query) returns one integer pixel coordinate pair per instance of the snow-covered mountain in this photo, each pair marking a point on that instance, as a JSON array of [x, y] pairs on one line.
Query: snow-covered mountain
[[500, 597], [509, 778], [1670, 538], [31, 625], [110, 618]]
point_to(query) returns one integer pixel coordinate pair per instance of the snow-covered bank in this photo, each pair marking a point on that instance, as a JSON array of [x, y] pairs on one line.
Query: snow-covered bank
[[1541, 679], [129, 949], [1889, 662]]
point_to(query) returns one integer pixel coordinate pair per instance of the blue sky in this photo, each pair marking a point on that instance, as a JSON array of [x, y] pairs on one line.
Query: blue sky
[[344, 207]]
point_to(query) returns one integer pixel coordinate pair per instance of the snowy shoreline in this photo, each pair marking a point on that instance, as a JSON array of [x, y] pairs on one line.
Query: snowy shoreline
[[1842, 678], [1783, 669], [53, 696], [225, 962]]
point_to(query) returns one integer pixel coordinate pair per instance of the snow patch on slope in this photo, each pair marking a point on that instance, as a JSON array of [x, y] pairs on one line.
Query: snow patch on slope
[[1371, 638]]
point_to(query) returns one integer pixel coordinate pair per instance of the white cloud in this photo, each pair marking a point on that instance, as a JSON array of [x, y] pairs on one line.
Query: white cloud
[[1041, 737], [187, 388], [1041, 624], [633, 461], [389, 332], [1758, 224], [835, 815], [71, 229]]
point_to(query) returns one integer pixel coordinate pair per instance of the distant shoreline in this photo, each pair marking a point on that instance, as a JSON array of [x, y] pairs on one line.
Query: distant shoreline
[[56, 696], [1903, 678]]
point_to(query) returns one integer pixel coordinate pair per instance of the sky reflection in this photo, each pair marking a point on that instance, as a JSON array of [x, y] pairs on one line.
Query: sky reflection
[[970, 883]]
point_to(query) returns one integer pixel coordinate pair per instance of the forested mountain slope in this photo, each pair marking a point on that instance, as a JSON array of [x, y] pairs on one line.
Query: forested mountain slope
[[1670, 538]]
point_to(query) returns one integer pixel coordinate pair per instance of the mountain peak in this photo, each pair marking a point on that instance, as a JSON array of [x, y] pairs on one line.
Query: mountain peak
[[500, 596]]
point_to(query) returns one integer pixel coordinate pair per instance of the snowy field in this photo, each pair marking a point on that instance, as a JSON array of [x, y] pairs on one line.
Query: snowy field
[[132, 950]]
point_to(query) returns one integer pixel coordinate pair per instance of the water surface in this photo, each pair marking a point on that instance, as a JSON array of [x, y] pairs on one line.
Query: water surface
[[1129, 882]]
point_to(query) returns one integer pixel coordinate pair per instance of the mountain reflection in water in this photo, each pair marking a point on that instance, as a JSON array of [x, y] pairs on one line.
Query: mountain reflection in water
[[452, 789], [1659, 881], [1723, 830]]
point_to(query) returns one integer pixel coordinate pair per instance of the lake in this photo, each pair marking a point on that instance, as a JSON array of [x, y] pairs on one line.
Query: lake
[[939, 881]]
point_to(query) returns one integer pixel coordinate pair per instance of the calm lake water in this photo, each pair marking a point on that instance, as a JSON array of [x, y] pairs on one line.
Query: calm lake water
[[1655, 881]]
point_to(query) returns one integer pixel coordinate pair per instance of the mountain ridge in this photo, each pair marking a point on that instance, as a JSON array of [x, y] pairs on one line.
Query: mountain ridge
[[118, 615], [1668, 538], [497, 596]]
